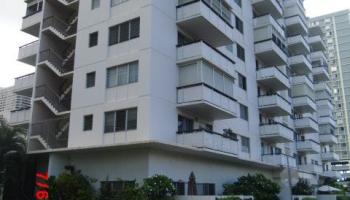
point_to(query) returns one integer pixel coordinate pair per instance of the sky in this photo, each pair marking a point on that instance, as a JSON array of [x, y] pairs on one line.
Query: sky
[[12, 11]]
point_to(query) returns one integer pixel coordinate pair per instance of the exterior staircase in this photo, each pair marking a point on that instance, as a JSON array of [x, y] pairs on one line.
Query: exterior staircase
[[59, 27], [60, 66], [52, 100]]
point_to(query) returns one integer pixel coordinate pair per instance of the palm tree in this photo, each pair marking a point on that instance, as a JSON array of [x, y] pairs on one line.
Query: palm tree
[[12, 155]]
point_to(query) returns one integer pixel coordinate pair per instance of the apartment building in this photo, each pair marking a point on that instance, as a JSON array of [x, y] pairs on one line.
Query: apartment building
[[125, 89], [11, 102], [336, 29]]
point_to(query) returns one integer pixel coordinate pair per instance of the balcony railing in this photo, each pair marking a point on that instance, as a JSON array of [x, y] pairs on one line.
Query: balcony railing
[[280, 159], [202, 138]]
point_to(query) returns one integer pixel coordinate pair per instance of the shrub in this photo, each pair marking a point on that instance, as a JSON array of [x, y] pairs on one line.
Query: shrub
[[257, 185], [302, 188], [343, 198], [309, 198], [71, 186], [131, 193], [158, 187]]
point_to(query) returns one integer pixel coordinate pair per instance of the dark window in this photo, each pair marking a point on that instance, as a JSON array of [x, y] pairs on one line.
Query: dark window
[[124, 31], [88, 121], [242, 81], [180, 188], [115, 187], [95, 4], [245, 143], [243, 112], [240, 52], [93, 39], [90, 79], [206, 189], [120, 120], [135, 28], [239, 2], [239, 24], [184, 124]]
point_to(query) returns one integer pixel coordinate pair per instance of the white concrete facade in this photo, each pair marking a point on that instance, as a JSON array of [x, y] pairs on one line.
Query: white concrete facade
[[191, 103]]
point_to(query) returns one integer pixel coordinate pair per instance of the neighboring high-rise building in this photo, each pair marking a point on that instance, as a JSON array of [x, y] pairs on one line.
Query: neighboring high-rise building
[[222, 88], [11, 102], [336, 28]]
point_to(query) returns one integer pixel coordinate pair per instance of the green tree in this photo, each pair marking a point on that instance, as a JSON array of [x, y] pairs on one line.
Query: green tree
[[71, 186], [257, 185], [159, 187], [12, 159], [302, 188]]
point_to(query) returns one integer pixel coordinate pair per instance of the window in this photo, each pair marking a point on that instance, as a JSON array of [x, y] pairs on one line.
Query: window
[[117, 2], [240, 52], [122, 74], [88, 121], [180, 188], [93, 39], [184, 124], [245, 143], [244, 112], [124, 31], [90, 79], [120, 120], [115, 187], [238, 2], [95, 4], [206, 189], [242, 81], [239, 24]]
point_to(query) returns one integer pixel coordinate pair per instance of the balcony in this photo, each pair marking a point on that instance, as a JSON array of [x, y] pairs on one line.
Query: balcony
[[264, 25], [329, 156], [275, 105], [325, 104], [296, 25], [302, 79], [276, 133], [201, 50], [209, 140], [206, 102], [306, 125], [344, 167], [316, 43], [327, 120], [304, 104], [308, 147], [280, 160], [321, 73], [27, 53], [300, 64], [332, 174], [203, 22], [323, 95], [328, 139], [20, 117], [313, 168], [318, 56], [322, 86], [273, 77], [24, 85], [298, 45], [270, 53], [31, 22], [273, 7]]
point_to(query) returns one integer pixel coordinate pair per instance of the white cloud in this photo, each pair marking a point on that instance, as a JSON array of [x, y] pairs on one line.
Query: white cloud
[[321, 7]]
